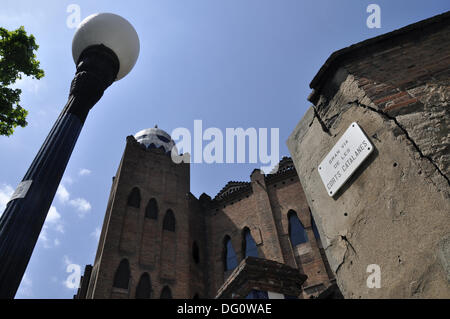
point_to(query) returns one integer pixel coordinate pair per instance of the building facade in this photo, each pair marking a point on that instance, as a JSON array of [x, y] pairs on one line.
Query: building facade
[[393, 214], [160, 241]]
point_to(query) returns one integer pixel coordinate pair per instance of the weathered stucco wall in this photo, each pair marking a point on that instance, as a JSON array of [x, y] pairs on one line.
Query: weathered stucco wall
[[395, 209]]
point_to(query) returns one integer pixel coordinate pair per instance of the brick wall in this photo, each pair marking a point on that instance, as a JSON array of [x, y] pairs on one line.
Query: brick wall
[[263, 208], [260, 205], [127, 233]]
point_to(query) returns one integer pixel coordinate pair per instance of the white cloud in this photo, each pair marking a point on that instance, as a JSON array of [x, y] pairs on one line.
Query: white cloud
[[67, 179], [43, 237], [53, 216], [53, 222], [5, 194], [28, 84], [96, 233], [59, 228], [14, 17], [62, 194], [84, 172], [24, 290], [66, 260], [82, 205]]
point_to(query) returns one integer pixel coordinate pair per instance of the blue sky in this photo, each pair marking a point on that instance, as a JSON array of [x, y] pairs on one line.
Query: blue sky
[[229, 63]]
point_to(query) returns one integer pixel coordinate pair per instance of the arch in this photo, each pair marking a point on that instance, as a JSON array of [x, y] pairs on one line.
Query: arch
[[257, 294], [151, 211], [169, 221], [166, 293], [248, 244], [229, 255], [122, 275], [196, 296], [195, 252], [297, 233], [144, 287], [134, 199]]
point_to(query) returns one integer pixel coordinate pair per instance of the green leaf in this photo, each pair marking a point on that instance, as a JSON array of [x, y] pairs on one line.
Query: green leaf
[[17, 57]]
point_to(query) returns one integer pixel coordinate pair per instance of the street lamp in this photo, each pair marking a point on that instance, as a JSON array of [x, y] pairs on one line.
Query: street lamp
[[105, 48]]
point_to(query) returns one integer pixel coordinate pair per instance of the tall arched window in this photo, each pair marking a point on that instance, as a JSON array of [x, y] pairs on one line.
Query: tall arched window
[[195, 252], [134, 199], [229, 255], [169, 221], [122, 275], [248, 244], [151, 211], [144, 287], [297, 233], [166, 293]]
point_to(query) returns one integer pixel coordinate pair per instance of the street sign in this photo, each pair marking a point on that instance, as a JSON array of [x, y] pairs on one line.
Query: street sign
[[344, 158]]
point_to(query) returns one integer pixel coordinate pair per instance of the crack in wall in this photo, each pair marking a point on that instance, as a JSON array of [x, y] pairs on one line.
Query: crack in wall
[[326, 129], [408, 137], [342, 262], [344, 257], [322, 124], [347, 246], [344, 238]]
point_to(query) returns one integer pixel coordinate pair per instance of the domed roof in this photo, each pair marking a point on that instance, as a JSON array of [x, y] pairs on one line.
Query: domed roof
[[155, 138]]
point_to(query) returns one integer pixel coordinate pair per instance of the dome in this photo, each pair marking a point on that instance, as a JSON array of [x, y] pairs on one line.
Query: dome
[[155, 138]]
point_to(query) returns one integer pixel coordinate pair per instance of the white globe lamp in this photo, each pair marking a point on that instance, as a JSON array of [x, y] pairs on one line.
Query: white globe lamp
[[114, 32]]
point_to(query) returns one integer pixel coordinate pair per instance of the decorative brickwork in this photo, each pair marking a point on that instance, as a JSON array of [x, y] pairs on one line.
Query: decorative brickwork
[[165, 250], [263, 275]]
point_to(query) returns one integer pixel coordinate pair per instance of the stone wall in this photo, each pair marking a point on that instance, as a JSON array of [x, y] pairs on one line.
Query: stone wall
[[395, 209]]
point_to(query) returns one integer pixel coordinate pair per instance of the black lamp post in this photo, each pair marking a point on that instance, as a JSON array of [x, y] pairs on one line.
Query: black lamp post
[[105, 48]]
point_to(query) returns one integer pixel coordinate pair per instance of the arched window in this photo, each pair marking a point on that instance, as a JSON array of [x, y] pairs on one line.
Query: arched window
[[166, 293], [122, 276], [144, 287], [297, 233], [151, 211], [229, 256], [134, 199], [195, 252], [248, 244], [257, 294], [169, 221]]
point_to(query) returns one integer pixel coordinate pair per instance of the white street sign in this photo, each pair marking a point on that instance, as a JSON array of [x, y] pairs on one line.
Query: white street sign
[[344, 158]]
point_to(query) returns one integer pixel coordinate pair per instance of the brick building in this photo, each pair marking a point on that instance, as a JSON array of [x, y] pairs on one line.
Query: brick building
[[160, 241]]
